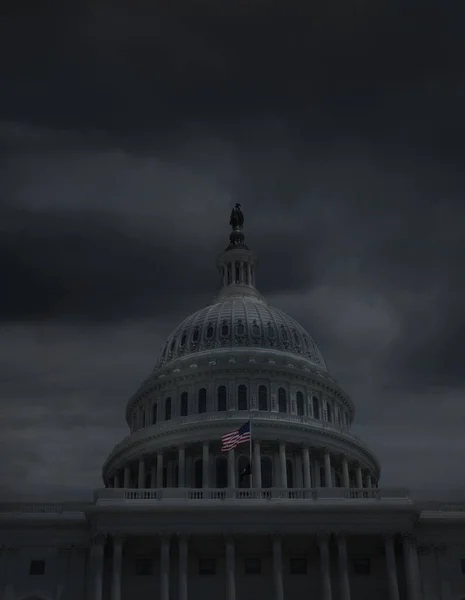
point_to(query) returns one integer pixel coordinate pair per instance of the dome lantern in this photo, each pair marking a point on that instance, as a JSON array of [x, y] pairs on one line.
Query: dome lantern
[[237, 264]]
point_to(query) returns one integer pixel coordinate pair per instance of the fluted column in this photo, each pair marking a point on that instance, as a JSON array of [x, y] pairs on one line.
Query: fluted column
[[99, 543], [127, 476], [257, 477], [358, 476], [141, 473], [230, 569], [182, 594], [306, 465], [181, 466], [345, 472], [165, 568], [410, 550], [153, 475], [328, 475], [391, 568], [282, 464], [231, 469], [278, 568], [205, 464], [159, 470], [117, 566], [323, 543], [344, 584]]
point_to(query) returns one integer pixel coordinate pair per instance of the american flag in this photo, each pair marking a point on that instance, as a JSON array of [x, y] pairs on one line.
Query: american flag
[[239, 436]]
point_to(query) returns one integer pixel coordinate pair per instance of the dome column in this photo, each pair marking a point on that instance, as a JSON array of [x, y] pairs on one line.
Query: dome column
[[159, 470], [127, 476], [181, 466], [282, 464], [327, 463], [141, 473], [306, 467], [345, 472], [153, 475], [257, 477], [358, 477], [205, 465]]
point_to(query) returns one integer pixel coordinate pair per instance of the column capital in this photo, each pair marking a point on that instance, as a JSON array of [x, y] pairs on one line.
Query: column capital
[[165, 537], [98, 538], [229, 538], [340, 535], [323, 536], [118, 537], [183, 537], [408, 536]]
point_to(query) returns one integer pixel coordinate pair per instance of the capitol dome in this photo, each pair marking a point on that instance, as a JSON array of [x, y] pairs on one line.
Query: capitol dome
[[240, 321]]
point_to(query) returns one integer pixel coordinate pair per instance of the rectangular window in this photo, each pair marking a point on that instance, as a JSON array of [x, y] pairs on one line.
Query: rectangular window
[[298, 566], [361, 566], [252, 566], [143, 566], [207, 566], [37, 567]]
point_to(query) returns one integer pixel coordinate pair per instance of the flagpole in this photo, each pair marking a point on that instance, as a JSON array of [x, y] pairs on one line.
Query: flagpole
[[250, 454]]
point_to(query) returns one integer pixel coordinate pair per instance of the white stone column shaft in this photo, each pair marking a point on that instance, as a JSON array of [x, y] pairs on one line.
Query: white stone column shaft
[[205, 464], [141, 473], [344, 584], [182, 568], [127, 476], [231, 469], [282, 464], [165, 569], [409, 547], [159, 470], [181, 466], [345, 472], [358, 477], [323, 542], [117, 566], [306, 468], [327, 463], [230, 570], [391, 568], [98, 567], [257, 477], [278, 568]]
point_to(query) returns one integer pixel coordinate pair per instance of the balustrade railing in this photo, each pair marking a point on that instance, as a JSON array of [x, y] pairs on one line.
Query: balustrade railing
[[313, 494]]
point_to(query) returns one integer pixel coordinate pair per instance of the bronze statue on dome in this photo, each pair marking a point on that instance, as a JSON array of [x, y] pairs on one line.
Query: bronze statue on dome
[[237, 218]]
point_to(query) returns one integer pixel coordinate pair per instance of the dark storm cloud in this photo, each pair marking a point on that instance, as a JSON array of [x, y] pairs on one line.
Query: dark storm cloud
[[127, 136]]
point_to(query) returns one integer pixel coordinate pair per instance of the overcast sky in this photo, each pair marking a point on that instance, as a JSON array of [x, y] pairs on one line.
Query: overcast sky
[[126, 137]]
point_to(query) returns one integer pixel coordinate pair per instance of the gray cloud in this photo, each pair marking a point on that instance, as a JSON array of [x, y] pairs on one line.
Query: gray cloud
[[127, 136]]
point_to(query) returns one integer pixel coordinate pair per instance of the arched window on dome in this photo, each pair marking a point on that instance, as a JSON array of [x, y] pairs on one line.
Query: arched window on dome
[[255, 328], [184, 404], [183, 339], [246, 274], [210, 332], [290, 473], [168, 409], [267, 472], [299, 400], [202, 406], [297, 339], [284, 334], [198, 473], [196, 335], [316, 407], [224, 329], [221, 398], [329, 412], [262, 398], [282, 400], [154, 413], [242, 403], [221, 472], [237, 272], [173, 344], [240, 327], [270, 330]]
